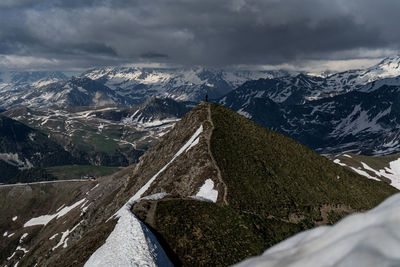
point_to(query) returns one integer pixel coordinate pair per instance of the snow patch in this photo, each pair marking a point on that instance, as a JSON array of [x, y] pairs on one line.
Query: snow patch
[[195, 142], [100, 127], [392, 172], [87, 193], [31, 136], [358, 121], [64, 238], [244, 113], [12, 255], [337, 161], [53, 236], [156, 196], [14, 218], [207, 191], [23, 237], [13, 159], [22, 249], [45, 219], [364, 173]]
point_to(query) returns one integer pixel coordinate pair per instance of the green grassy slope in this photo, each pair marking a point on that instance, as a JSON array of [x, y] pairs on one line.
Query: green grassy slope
[[274, 175], [276, 188]]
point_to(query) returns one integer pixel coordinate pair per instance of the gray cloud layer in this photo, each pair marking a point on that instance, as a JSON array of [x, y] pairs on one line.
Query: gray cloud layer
[[76, 33]]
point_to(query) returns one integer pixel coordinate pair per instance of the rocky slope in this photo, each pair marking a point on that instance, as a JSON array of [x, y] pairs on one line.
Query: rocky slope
[[215, 190]]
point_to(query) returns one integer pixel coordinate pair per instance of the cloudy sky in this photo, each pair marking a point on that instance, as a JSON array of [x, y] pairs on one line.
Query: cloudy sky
[[294, 34]]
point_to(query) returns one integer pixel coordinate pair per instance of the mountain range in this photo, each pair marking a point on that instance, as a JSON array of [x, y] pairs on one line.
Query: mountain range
[[215, 190], [121, 86], [361, 118], [94, 116]]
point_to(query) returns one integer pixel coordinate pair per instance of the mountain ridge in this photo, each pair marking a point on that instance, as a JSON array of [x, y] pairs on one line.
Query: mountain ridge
[[174, 190]]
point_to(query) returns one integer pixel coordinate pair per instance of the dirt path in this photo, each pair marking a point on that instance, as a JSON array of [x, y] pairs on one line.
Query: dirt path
[[219, 176]]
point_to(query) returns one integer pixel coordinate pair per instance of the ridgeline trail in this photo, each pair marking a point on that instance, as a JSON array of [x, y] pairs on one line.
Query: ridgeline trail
[[219, 176]]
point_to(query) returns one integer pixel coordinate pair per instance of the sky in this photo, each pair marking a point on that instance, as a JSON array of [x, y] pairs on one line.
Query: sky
[[311, 35]]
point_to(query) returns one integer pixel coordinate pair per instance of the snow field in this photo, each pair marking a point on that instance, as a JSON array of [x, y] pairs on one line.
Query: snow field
[[45, 219]]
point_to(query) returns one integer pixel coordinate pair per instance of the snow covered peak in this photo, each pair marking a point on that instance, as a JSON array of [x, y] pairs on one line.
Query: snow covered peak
[[387, 68], [186, 84], [14, 79], [391, 61]]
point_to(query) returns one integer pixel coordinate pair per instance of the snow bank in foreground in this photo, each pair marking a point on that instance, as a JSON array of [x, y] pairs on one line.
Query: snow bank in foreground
[[131, 243], [45, 219], [207, 191], [366, 239]]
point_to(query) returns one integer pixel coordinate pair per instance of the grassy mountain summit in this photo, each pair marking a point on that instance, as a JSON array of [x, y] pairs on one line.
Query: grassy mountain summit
[[282, 176], [276, 187]]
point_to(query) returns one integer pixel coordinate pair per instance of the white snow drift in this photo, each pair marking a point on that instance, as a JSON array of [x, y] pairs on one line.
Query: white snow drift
[[45, 219], [366, 239], [207, 191]]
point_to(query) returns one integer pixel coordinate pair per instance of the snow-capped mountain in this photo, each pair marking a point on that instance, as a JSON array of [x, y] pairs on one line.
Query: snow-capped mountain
[[351, 111], [361, 122], [126, 86], [67, 93], [10, 80], [185, 84], [302, 88], [387, 68], [120, 86]]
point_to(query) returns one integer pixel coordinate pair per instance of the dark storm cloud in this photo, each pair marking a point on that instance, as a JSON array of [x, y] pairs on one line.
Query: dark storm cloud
[[152, 55], [209, 32]]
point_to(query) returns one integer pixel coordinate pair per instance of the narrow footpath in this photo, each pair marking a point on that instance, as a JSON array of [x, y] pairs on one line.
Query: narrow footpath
[[219, 176]]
